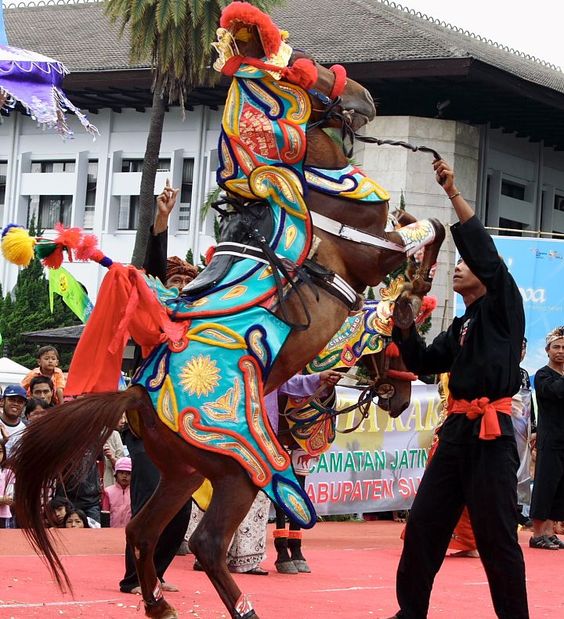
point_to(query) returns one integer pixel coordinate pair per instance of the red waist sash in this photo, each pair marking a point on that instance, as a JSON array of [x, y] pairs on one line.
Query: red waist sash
[[489, 427]]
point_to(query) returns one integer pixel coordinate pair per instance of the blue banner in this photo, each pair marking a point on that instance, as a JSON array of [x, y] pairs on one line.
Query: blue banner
[[538, 268]]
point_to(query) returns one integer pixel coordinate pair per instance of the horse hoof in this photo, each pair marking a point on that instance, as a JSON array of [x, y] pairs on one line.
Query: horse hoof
[[161, 610], [286, 567], [302, 566]]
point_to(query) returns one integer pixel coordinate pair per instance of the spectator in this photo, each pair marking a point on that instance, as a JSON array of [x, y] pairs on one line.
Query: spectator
[[145, 475], [41, 387], [6, 492], [547, 504], [57, 510], [116, 499], [48, 365], [35, 409], [113, 451], [82, 487], [76, 519], [14, 401]]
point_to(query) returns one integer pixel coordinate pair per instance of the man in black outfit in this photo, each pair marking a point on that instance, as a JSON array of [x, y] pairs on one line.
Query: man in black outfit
[[476, 461], [144, 475]]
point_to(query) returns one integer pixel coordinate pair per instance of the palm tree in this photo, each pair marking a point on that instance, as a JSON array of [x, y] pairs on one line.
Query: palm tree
[[176, 36]]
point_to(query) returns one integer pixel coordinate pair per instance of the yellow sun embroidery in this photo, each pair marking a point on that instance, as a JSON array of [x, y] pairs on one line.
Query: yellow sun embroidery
[[200, 375]]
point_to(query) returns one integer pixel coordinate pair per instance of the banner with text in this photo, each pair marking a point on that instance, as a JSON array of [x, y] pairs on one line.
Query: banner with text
[[377, 467]]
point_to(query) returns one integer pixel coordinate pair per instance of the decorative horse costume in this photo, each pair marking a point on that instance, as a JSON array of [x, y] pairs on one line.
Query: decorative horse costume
[[304, 233]]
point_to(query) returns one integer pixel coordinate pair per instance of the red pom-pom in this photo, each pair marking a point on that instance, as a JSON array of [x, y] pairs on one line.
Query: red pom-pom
[[249, 14], [68, 237], [87, 247], [302, 73], [392, 350], [54, 260], [428, 305], [209, 254]]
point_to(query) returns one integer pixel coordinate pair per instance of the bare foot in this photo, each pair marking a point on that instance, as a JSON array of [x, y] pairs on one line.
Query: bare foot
[[167, 586], [472, 554]]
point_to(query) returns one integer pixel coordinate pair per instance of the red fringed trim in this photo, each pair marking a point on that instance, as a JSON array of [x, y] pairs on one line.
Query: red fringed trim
[[232, 65], [428, 305], [54, 260], [277, 533], [68, 237], [87, 247], [302, 73], [340, 82], [248, 14], [392, 350], [209, 254]]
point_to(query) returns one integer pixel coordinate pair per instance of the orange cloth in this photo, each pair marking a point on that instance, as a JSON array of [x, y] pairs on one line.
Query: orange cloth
[[463, 535], [125, 307], [489, 428]]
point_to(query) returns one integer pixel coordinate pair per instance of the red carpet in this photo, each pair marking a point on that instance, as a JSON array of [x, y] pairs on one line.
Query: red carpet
[[353, 577]]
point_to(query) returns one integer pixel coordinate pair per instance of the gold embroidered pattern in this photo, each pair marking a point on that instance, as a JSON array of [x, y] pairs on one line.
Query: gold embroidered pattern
[[200, 376], [225, 407], [154, 383], [167, 406]]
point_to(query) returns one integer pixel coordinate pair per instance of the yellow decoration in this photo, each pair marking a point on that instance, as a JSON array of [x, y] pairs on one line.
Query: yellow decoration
[[200, 375], [235, 292], [225, 407], [215, 334], [203, 495], [17, 247], [167, 406]]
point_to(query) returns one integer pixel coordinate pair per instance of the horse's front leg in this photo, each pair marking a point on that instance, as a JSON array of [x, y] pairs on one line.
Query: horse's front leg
[[233, 495], [143, 533]]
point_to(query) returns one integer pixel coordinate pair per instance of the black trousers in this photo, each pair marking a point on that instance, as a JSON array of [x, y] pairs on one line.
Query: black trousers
[[483, 476], [144, 479]]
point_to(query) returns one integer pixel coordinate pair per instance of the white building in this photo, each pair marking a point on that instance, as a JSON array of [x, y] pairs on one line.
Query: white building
[[496, 114]]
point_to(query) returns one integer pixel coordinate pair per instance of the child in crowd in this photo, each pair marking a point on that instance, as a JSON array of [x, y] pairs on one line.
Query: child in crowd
[[77, 519], [58, 509], [7, 480], [117, 500], [48, 362]]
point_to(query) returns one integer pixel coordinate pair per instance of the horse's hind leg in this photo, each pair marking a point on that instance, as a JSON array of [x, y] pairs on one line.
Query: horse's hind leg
[[144, 530], [233, 495]]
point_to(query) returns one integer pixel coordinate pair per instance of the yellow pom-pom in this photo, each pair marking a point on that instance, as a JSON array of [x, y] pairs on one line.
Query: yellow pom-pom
[[17, 246]]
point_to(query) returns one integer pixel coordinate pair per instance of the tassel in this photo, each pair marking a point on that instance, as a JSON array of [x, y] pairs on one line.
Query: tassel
[[17, 245], [69, 238], [55, 259], [87, 248], [43, 249], [392, 350]]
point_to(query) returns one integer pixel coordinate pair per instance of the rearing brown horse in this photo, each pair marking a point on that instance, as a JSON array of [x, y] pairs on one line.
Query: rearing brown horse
[[352, 249]]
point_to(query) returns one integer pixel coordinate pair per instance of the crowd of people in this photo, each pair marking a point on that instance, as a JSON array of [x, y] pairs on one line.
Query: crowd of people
[[474, 470]]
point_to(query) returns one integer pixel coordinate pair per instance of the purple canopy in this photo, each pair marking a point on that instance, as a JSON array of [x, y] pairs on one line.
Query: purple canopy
[[35, 82]]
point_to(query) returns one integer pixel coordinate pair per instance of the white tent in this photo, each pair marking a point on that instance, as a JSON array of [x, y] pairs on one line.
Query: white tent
[[11, 373]]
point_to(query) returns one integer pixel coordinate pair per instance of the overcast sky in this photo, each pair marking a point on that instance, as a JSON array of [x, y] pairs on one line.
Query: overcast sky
[[533, 27]]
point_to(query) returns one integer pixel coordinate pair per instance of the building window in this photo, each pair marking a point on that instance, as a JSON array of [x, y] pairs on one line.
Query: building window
[[514, 228], [512, 190], [3, 175], [50, 210], [136, 165], [48, 167], [186, 194], [90, 200], [128, 216], [558, 200]]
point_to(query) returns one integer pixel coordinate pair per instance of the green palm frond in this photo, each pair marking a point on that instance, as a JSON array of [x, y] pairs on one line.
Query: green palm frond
[[175, 36]]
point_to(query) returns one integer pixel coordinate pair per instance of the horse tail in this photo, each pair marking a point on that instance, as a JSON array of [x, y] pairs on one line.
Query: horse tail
[[46, 452]]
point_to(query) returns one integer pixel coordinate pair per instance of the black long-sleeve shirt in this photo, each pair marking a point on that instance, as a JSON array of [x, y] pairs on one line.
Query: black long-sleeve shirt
[[482, 348], [549, 388]]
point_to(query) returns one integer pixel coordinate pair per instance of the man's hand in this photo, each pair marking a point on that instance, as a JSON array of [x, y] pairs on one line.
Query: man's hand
[[445, 178], [165, 203], [330, 377]]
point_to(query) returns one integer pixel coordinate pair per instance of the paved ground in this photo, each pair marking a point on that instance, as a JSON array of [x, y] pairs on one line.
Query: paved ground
[[353, 577]]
